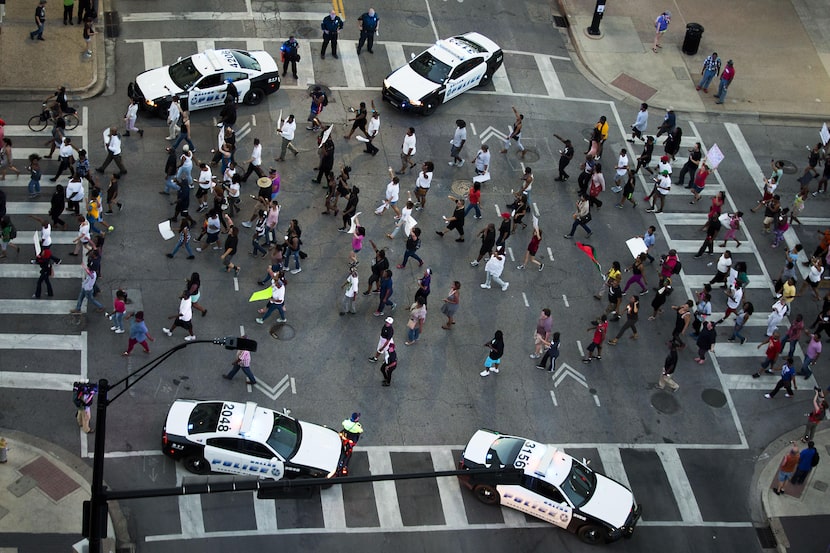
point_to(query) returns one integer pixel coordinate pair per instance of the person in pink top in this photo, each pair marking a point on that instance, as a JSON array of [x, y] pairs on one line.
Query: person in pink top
[[726, 78]]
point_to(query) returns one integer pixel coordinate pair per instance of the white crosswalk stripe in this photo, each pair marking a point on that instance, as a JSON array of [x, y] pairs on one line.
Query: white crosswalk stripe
[[552, 84]]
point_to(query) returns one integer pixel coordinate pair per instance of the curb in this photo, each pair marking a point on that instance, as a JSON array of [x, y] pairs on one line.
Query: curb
[[75, 463]]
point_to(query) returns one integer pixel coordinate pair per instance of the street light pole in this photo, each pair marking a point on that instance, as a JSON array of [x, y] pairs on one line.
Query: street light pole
[[593, 30], [96, 509]]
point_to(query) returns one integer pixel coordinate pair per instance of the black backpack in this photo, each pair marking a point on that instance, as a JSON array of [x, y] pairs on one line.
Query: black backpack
[[815, 460], [677, 268]]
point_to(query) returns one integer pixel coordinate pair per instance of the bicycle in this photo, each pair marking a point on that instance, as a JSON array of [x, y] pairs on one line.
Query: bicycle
[[38, 122]]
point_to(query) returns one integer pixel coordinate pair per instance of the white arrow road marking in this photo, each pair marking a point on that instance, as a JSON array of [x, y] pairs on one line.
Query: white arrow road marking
[[275, 391], [566, 371], [491, 131]]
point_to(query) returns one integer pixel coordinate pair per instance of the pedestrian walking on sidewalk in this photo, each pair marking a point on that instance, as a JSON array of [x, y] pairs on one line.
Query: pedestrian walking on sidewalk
[[89, 30], [815, 416], [138, 333], [669, 366], [711, 69], [661, 25], [493, 360], [243, 362], [40, 21], [786, 469], [726, 78]]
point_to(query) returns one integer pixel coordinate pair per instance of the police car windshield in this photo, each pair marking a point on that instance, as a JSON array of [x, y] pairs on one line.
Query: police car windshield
[[204, 417], [285, 436], [430, 67], [580, 484], [184, 73], [504, 451], [246, 61]]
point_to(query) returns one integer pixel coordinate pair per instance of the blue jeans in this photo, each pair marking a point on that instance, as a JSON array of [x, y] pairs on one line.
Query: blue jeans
[[722, 87], [88, 295], [296, 255], [170, 184], [805, 368], [37, 32], [186, 247], [257, 247], [469, 208], [411, 253], [184, 176], [736, 334], [92, 228], [275, 267], [271, 307], [247, 370], [792, 343], [118, 320], [34, 186], [579, 224], [414, 333], [183, 138], [708, 75]]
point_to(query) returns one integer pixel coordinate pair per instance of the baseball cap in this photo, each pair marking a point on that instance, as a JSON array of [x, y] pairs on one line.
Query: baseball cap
[[505, 216], [389, 320], [355, 417], [664, 158], [186, 148]]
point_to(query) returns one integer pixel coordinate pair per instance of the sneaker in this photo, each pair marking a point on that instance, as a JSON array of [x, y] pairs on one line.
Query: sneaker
[[485, 286], [460, 163], [520, 267], [599, 357], [377, 313], [589, 235], [788, 395], [540, 367], [167, 331], [730, 339], [644, 292], [504, 288], [767, 396], [494, 370], [756, 375], [535, 356], [120, 331], [474, 263], [568, 236], [247, 224], [542, 266], [768, 371], [189, 338], [295, 271], [451, 164], [199, 250], [260, 320], [743, 340], [282, 320], [588, 360], [485, 372], [394, 305], [373, 359], [113, 328]]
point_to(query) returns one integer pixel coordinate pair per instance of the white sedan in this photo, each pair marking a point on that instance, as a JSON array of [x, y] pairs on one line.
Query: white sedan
[[245, 439], [555, 487], [201, 80], [448, 68]]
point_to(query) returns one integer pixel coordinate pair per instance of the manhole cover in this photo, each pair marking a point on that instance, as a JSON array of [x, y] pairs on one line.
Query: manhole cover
[[713, 397], [531, 156], [282, 331], [665, 403], [587, 134], [417, 21], [789, 167], [461, 187], [306, 31]]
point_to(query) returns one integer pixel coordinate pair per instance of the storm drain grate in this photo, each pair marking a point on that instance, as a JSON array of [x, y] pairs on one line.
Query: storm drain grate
[[111, 27], [561, 22], [766, 537]]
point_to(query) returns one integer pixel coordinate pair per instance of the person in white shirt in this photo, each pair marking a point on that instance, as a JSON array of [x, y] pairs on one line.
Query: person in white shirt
[[75, 194], [205, 186], [621, 174], [482, 160], [494, 268], [82, 241], [184, 174], [287, 129], [408, 150], [422, 184], [663, 188], [255, 162], [174, 112], [459, 138], [113, 143], [66, 154], [351, 287], [640, 124], [130, 118], [184, 318], [372, 131], [393, 190]]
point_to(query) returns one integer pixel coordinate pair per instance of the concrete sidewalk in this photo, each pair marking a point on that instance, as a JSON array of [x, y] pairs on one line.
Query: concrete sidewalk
[[780, 49], [44, 487]]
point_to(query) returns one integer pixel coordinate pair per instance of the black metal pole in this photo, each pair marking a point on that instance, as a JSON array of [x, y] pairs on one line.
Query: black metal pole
[[97, 515], [593, 30]]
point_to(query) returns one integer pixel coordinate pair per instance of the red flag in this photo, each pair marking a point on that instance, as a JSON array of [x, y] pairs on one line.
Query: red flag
[[588, 250]]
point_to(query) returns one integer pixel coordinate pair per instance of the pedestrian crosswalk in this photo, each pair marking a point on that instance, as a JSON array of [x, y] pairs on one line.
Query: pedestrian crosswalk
[[445, 504]]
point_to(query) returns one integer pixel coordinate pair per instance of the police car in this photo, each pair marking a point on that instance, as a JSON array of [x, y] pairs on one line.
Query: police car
[[555, 487], [448, 68], [245, 439], [200, 80]]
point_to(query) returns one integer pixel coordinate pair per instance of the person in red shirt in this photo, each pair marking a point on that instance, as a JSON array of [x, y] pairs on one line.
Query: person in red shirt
[[726, 78], [599, 330], [532, 248], [700, 181], [474, 199], [773, 349]]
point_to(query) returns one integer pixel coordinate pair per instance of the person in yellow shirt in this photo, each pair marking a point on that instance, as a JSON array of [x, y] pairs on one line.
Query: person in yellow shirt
[[613, 276], [93, 213], [602, 127]]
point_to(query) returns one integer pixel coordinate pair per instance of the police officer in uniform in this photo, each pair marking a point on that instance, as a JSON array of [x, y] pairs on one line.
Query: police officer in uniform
[[331, 25], [368, 23]]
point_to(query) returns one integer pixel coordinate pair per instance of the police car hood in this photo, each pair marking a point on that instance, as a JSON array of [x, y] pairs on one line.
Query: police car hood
[[611, 502], [411, 84], [156, 83], [320, 447]]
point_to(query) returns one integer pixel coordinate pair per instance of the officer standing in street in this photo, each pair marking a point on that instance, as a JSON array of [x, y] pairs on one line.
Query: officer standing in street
[[331, 25], [368, 23]]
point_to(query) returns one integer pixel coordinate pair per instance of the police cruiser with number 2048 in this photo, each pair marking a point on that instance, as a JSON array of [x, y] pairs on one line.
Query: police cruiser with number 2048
[[245, 439], [554, 487], [448, 68]]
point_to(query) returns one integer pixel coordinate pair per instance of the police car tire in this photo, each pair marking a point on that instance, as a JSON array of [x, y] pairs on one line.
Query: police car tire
[[254, 96], [591, 534], [487, 494], [197, 464], [429, 109]]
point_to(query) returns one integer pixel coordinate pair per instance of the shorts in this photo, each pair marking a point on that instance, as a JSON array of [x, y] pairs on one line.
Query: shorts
[[202, 192], [768, 221], [784, 476], [491, 362], [211, 238], [405, 156], [381, 341], [227, 260], [812, 284], [532, 251], [593, 345], [537, 339], [455, 150], [187, 325], [697, 189], [356, 250], [4, 245]]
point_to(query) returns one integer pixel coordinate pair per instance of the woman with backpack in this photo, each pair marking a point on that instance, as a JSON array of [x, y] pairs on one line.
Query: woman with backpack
[[9, 233]]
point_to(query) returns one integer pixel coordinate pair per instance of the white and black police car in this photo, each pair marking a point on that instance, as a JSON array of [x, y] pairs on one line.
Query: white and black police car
[[200, 80], [555, 487], [245, 439], [448, 68]]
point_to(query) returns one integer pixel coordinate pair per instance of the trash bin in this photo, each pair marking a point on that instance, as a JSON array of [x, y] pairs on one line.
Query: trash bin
[[691, 42]]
